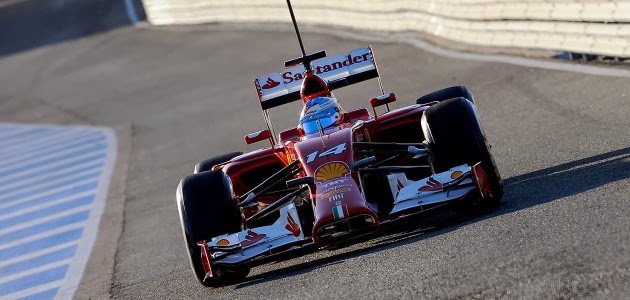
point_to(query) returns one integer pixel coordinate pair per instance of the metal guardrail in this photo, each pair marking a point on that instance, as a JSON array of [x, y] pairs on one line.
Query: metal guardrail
[[598, 27]]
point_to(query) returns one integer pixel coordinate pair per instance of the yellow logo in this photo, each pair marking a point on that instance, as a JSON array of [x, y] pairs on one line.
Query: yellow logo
[[331, 171], [223, 242]]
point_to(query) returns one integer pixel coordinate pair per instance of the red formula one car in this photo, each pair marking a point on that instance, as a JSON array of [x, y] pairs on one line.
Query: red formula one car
[[338, 174]]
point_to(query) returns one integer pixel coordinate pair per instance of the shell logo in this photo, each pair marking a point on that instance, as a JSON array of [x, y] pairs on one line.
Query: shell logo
[[223, 242], [456, 174], [331, 171]]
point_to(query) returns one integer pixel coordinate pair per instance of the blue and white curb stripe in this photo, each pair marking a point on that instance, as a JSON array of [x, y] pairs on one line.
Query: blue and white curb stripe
[[53, 188]]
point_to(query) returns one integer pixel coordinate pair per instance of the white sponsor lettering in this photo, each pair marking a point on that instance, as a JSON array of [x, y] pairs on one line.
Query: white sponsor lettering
[[336, 197], [330, 69], [335, 150]]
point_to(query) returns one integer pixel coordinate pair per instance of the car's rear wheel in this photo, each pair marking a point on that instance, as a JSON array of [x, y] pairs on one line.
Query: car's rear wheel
[[207, 210], [445, 94], [456, 137], [207, 164]]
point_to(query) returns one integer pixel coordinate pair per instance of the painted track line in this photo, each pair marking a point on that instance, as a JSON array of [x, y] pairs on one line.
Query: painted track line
[[37, 197], [41, 179], [50, 182], [36, 270], [73, 277], [57, 164], [39, 253], [50, 168], [44, 205], [60, 145], [66, 216], [36, 145], [15, 133], [18, 138], [33, 291], [87, 147], [41, 236], [53, 187]]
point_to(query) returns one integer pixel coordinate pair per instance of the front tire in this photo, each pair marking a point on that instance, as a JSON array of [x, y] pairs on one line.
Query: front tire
[[207, 210], [456, 137]]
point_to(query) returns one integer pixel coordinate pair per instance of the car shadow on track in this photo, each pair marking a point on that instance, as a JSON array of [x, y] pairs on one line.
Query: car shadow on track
[[521, 192]]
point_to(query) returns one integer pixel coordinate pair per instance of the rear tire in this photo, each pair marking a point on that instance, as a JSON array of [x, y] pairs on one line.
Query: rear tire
[[207, 164], [207, 210], [456, 137], [445, 94]]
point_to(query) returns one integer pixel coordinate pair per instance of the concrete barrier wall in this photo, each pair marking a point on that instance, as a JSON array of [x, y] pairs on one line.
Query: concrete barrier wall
[[599, 27]]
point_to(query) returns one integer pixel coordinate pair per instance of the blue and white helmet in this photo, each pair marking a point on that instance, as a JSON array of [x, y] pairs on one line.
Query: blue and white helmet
[[320, 111]]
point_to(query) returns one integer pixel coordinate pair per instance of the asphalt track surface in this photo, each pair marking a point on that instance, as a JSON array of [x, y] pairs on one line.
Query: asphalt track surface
[[561, 141]]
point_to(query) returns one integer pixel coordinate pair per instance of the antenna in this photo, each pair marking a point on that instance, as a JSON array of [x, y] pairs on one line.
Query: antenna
[[297, 32], [305, 59]]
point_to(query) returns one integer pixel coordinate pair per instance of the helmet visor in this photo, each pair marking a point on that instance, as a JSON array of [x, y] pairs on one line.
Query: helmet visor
[[311, 126]]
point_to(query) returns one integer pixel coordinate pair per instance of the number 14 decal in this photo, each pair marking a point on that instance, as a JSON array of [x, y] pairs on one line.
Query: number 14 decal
[[334, 150]]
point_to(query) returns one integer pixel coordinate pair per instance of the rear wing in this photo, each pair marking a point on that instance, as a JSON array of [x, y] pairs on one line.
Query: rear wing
[[276, 89]]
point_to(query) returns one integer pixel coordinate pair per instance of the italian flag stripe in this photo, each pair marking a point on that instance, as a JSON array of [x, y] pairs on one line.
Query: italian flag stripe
[[338, 212]]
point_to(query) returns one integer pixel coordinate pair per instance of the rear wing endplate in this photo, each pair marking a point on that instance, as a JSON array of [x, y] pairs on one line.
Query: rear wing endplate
[[276, 89]]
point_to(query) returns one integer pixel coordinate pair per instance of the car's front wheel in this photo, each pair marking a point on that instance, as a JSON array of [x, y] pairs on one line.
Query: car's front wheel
[[207, 210], [456, 137]]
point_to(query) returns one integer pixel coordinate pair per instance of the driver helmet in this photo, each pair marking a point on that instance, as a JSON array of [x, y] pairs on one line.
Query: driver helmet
[[322, 112]]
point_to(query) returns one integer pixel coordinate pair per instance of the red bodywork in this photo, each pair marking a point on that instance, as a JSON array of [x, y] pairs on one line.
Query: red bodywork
[[327, 158]]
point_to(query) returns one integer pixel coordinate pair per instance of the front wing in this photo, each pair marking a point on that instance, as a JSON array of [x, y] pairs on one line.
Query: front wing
[[454, 184], [285, 235]]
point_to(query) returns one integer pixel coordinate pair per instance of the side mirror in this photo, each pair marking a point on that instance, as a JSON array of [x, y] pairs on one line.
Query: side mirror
[[300, 131], [258, 136], [382, 100]]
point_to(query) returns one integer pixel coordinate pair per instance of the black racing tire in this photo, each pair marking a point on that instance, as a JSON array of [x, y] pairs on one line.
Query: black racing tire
[[207, 164], [455, 136], [207, 210], [445, 94]]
